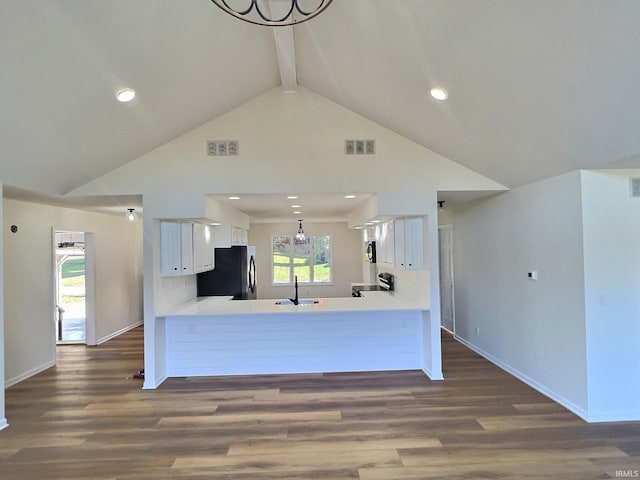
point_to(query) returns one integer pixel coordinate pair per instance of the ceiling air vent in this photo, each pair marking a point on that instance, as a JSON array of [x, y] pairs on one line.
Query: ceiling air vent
[[359, 147], [220, 148], [634, 187]]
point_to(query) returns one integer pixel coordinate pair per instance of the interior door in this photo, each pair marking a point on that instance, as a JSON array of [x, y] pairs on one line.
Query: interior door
[[445, 241]]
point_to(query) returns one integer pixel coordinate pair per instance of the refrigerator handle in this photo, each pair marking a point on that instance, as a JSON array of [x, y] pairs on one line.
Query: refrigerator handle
[[252, 274]]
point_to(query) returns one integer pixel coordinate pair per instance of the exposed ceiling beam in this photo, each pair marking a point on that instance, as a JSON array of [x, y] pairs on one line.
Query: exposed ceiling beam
[[285, 50]]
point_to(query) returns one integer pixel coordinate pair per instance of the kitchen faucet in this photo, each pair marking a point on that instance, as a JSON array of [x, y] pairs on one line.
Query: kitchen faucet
[[295, 300]]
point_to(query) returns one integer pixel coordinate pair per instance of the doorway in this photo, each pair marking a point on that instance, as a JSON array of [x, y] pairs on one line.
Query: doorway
[[445, 242], [70, 287]]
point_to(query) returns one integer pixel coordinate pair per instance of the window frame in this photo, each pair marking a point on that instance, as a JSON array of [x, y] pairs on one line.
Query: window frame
[[311, 255]]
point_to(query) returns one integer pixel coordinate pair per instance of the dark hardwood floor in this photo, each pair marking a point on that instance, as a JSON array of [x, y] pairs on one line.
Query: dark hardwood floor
[[84, 419]]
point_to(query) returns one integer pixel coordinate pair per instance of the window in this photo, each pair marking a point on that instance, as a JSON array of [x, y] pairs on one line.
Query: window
[[310, 260]]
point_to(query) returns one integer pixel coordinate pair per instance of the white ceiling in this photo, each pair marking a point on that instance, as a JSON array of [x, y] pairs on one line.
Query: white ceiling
[[275, 208], [537, 87]]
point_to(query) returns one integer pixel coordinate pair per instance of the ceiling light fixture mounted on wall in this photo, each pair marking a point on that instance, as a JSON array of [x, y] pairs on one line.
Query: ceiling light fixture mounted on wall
[[441, 205], [131, 215], [300, 235], [259, 12]]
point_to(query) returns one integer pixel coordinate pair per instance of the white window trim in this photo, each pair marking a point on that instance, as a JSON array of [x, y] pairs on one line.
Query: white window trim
[[291, 275]]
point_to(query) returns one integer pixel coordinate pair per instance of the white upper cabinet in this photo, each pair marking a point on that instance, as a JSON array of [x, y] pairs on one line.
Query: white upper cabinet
[[225, 236], [202, 248], [172, 251], [386, 243], [409, 243], [185, 248], [370, 234]]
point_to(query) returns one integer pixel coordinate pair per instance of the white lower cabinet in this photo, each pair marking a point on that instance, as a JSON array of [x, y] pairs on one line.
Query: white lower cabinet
[[409, 243], [185, 248]]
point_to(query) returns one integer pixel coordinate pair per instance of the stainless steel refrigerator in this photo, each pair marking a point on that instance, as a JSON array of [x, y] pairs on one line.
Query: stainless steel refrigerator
[[234, 274]]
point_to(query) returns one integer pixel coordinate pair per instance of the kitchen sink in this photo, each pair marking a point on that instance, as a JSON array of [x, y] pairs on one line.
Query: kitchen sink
[[304, 301]]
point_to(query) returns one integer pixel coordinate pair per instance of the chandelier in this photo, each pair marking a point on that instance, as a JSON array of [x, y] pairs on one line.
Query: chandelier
[[300, 237], [258, 13]]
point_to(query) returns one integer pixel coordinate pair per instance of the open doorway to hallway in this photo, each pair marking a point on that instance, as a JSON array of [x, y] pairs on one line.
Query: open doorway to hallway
[[445, 244], [70, 286]]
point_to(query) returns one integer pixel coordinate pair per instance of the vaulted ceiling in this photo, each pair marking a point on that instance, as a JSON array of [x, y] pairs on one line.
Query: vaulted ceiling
[[537, 87]]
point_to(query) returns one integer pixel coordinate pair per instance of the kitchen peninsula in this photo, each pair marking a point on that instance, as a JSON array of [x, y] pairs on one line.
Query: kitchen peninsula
[[378, 331]]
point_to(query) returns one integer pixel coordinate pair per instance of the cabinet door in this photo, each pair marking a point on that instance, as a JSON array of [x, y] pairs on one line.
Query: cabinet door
[[221, 236], [199, 248], [413, 239], [388, 244], [399, 240], [370, 234], [170, 249], [209, 254], [225, 236], [409, 243], [202, 248], [239, 236], [236, 236], [186, 248]]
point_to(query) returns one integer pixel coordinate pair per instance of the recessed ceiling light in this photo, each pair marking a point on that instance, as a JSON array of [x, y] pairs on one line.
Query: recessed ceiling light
[[375, 221], [292, 197], [297, 212], [296, 206], [439, 93], [125, 95], [216, 224], [234, 198], [349, 196]]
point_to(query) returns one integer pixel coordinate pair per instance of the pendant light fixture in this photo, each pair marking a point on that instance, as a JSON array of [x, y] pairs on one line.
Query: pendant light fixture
[[300, 235], [261, 12], [131, 215]]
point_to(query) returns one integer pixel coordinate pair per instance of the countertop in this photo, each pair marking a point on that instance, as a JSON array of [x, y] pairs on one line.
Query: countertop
[[225, 306]]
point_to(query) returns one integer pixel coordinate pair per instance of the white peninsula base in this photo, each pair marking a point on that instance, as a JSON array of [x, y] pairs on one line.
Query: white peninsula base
[[337, 335]]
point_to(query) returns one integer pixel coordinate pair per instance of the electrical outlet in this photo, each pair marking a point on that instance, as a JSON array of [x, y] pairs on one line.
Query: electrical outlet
[[477, 330]]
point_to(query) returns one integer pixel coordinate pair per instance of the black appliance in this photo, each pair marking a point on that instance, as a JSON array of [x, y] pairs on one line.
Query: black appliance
[[385, 284], [234, 274], [370, 252]]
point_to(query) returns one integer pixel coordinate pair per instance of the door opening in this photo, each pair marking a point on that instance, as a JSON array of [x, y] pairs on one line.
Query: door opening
[[70, 286], [445, 242]]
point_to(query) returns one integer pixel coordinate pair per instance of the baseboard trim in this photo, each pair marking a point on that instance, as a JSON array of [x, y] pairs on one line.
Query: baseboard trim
[[118, 333], [3, 423], [431, 376], [29, 373], [614, 417], [152, 386], [579, 411]]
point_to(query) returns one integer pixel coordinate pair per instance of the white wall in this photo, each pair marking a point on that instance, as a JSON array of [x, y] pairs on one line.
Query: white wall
[[29, 291], [346, 253], [3, 419], [534, 329], [289, 141], [612, 294]]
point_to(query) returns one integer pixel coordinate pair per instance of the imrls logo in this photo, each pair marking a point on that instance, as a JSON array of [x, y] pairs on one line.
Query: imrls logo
[[627, 474]]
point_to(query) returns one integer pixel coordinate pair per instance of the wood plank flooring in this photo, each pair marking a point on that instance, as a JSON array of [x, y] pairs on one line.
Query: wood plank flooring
[[84, 419]]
